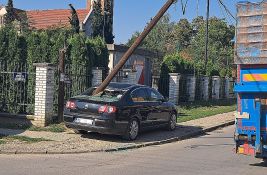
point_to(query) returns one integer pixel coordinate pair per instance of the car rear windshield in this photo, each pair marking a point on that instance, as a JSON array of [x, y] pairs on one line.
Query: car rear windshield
[[108, 95]]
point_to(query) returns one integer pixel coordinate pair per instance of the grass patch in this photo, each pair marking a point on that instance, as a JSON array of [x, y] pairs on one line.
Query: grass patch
[[57, 128], [4, 139], [196, 110], [26, 139], [2, 142], [51, 128]]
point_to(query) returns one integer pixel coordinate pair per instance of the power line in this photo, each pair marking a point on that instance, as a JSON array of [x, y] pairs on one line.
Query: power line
[[226, 9], [184, 5], [197, 7], [223, 13]]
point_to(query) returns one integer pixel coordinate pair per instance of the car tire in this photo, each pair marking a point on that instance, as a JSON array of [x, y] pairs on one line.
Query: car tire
[[172, 122], [132, 130], [80, 131]]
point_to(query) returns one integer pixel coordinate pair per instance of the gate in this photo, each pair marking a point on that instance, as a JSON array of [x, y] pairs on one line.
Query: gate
[[183, 95], [77, 79], [16, 88]]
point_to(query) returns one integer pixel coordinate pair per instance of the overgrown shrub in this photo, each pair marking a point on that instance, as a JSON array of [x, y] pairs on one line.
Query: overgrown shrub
[[173, 63], [18, 51]]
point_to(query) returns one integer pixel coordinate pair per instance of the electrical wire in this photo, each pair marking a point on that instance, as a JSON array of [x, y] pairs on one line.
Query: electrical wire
[[223, 13], [184, 5], [226, 9], [197, 8]]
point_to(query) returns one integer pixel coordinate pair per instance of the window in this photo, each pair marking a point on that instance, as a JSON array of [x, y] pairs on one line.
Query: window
[[108, 95], [139, 95], [154, 95]]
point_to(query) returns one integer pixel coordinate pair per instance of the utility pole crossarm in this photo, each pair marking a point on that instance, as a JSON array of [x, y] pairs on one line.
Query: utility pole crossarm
[[137, 42]]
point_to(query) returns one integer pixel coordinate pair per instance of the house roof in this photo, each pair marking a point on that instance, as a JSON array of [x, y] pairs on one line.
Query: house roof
[[43, 19]]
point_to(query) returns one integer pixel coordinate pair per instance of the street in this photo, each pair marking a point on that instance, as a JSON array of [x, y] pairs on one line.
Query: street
[[210, 154]]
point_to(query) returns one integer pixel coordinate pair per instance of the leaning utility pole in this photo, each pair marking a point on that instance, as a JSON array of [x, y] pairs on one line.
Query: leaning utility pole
[[137, 42], [207, 36]]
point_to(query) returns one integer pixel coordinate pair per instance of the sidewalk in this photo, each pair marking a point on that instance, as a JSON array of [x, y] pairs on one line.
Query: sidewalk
[[68, 142]]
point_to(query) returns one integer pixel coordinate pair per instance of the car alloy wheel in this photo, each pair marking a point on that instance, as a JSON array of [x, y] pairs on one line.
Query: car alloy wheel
[[133, 130], [172, 122]]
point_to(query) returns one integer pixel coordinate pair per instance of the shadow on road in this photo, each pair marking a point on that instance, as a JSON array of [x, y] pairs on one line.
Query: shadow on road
[[261, 164], [148, 136]]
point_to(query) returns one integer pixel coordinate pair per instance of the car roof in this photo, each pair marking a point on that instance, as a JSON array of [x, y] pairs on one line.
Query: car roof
[[121, 86]]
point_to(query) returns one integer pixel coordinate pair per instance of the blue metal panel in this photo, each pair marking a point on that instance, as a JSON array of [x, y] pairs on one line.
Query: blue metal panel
[[256, 86]]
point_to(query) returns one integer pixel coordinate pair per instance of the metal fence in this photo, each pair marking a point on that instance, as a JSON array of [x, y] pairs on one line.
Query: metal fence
[[77, 80], [163, 87], [183, 95], [17, 84]]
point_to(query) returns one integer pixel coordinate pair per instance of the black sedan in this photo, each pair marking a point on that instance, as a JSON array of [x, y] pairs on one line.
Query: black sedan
[[121, 109]]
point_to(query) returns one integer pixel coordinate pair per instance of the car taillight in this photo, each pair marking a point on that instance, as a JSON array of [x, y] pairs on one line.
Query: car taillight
[[107, 109], [70, 105], [102, 109], [111, 109]]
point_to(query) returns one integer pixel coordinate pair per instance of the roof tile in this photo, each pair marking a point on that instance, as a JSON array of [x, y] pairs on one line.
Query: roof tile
[[43, 19]]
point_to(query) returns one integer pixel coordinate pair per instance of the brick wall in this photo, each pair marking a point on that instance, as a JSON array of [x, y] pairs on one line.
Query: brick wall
[[44, 93]]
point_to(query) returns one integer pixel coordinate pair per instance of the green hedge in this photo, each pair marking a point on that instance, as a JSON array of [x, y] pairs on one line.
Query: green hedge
[[20, 50], [173, 63]]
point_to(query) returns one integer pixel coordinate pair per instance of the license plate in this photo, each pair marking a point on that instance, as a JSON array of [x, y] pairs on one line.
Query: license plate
[[84, 121]]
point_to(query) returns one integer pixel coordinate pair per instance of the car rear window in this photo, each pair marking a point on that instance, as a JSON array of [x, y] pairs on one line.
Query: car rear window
[[108, 95]]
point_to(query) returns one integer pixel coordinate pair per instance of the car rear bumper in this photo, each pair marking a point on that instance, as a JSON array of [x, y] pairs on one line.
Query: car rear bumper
[[103, 126]]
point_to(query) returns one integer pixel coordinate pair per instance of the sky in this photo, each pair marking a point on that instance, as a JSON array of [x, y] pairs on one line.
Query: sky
[[133, 15]]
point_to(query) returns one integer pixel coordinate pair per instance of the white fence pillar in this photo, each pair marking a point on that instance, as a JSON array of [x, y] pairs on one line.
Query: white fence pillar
[[44, 93], [204, 88], [216, 84], [191, 87], [174, 87], [97, 76]]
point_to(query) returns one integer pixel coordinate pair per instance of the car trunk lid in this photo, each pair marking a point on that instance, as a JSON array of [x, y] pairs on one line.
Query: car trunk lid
[[90, 105]]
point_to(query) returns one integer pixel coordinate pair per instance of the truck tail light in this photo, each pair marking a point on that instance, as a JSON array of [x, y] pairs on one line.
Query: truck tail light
[[71, 105], [107, 109]]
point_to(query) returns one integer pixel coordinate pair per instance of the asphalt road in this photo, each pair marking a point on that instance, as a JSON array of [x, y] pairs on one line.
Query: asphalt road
[[211, 154]]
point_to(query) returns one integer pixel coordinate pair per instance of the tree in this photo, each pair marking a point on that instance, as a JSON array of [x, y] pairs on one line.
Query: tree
[[158, 37], [108, 26], [197, 23], [97, 20], [10, 15], [74, 20], [180, 37], [220, 47], [188, 39]]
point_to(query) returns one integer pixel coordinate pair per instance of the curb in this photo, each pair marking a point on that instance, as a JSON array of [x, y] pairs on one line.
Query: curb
[[184, 137]]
